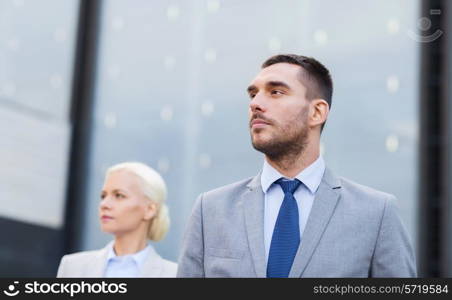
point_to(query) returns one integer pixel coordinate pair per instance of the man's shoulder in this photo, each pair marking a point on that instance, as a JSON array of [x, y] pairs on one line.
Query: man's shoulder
[[229, 190], [234, 187], [364, 194]]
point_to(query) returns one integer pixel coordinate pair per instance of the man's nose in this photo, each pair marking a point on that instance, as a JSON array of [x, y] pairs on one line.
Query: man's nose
[[257, 103]]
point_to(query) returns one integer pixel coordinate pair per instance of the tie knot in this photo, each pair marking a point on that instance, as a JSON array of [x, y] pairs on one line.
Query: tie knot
[[289, 186]]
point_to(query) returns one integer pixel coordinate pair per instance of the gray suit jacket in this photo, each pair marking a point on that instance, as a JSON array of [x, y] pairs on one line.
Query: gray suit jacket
[[352, 231], [93, 263]]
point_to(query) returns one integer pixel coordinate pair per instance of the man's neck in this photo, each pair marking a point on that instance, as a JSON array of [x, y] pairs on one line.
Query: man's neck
[[291, 165]]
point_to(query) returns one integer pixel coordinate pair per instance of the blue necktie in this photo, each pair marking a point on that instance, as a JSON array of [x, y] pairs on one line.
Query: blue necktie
[[286, 235]]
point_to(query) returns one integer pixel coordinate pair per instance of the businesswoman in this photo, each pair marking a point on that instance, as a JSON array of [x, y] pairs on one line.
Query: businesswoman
[[132, 208]]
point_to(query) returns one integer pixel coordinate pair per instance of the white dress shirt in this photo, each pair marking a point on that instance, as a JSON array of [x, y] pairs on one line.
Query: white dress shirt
[[274, 196], [126, 265]]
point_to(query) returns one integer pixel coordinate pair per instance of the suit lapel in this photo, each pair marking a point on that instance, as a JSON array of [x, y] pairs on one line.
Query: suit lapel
[[253, 205], [153, 265], [99, 262], [322, 209]]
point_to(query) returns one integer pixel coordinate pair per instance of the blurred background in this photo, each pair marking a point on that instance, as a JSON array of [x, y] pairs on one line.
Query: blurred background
[[85, 84]]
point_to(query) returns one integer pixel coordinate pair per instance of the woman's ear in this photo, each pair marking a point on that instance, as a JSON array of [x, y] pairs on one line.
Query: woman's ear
[[319, 112], [150, 210]]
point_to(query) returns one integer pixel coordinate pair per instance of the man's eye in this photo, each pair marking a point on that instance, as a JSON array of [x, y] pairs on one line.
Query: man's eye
[[118, 195], [252, 95], [276, 92]]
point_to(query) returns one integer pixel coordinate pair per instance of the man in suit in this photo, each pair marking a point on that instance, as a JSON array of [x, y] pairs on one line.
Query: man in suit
[[295, 218]]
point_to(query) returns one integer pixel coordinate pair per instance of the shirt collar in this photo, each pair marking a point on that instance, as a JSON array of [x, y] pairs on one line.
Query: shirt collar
[[310, 176], [139, 257]]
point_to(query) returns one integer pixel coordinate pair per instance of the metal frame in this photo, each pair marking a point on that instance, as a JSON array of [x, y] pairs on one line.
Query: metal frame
[[81, 117], [433, 148]]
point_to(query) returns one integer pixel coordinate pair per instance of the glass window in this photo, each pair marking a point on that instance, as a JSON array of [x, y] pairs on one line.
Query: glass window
[[36, 56]]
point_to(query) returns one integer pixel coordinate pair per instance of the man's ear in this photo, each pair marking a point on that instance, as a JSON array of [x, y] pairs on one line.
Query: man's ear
[[318, 112], [150, 210]]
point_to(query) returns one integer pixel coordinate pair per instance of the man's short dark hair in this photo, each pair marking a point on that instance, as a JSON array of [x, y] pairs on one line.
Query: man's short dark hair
[[313, 75]]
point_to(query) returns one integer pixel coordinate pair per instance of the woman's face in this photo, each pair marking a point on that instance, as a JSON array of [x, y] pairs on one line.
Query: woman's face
[[123, 207]]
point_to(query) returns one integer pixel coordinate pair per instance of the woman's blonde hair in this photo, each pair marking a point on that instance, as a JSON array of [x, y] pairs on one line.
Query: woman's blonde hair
[[154, 188]]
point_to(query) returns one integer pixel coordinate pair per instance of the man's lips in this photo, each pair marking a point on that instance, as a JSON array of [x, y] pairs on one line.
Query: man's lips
[[106, 218], [259, 123]]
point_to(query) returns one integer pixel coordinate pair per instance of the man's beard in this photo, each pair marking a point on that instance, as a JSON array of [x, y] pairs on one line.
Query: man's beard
[[286, 143]]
